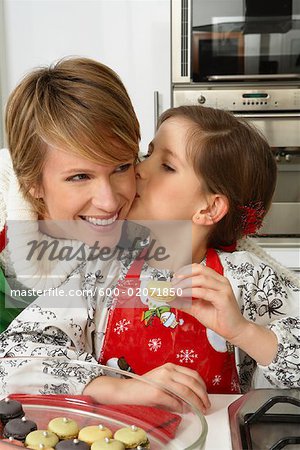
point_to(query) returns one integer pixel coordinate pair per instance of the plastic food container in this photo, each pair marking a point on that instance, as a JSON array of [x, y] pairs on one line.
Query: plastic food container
[[165, 429]]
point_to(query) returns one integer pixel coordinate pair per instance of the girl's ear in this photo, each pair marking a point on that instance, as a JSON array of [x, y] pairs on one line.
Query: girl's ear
[[213, 211]]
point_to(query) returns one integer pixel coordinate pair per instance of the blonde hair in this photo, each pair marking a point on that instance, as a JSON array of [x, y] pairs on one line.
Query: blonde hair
[[76, 103]]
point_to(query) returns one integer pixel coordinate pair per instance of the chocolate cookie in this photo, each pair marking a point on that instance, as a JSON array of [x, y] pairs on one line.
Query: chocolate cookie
[[13, 441], [10, 409], [19, 428], [72, 444]]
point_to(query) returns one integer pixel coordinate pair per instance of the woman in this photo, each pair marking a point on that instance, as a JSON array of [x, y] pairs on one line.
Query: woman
[[73, 140], [74, 112]]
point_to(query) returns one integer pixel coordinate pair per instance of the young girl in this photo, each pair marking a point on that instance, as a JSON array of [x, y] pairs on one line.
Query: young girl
[[212, 178], [215, 176]]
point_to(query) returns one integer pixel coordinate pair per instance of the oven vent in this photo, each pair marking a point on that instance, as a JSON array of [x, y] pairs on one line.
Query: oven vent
[[184, 37]]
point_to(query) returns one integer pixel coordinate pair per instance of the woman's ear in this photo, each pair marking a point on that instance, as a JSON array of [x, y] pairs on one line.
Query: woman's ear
[[36, 192], [213, 212]]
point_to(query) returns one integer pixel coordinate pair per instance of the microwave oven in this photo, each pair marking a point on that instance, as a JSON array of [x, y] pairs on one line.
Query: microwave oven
[[235, 40]]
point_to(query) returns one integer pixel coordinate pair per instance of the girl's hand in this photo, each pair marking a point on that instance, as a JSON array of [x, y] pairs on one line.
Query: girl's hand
[[213, 303], [185, 382]]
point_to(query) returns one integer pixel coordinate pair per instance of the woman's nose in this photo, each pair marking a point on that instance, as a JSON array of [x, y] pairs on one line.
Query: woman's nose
[[105, 197]]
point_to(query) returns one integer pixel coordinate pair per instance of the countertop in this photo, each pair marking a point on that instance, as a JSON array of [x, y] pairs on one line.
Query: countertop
[[218, 436]]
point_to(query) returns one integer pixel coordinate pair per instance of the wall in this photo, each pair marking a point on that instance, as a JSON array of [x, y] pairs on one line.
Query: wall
[[131, 36]]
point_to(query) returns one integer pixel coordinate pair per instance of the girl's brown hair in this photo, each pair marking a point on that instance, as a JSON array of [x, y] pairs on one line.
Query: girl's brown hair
[[233, 159], [78, 104]]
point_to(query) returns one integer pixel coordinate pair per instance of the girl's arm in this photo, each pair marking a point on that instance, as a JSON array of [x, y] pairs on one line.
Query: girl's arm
[[183, 381], [215, 306], [268, 329]]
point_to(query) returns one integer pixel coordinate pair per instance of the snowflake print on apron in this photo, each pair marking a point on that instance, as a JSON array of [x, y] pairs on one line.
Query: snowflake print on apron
[[147, 337]]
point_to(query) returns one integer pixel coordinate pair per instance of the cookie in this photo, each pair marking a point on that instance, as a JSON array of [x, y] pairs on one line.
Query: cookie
[[19, 428], [72, 444], [64, 427], [41, 439], [109, 444], [13, 441], [132, 437], [10, 409], [93, 433], [161, 291]]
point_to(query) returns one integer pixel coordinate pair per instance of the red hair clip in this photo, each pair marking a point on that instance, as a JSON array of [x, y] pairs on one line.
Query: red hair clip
[[252, 217]]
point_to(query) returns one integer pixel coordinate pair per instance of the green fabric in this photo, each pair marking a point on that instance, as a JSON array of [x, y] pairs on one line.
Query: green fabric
[[10, 307]]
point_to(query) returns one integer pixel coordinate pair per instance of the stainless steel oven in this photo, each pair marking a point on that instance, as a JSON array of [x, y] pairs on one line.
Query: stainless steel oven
[[244, 56]]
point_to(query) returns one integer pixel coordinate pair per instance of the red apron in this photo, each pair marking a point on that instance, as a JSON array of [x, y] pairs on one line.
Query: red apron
[[147, 338]]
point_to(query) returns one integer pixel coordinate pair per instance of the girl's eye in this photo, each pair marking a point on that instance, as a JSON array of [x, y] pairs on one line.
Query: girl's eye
[[168, 168], [78, 177], [123, 167]]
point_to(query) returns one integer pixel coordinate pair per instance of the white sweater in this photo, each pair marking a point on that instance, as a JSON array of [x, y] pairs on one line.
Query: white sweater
[[22, 228]]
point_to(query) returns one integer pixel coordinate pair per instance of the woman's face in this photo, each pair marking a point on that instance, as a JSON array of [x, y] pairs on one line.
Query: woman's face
[[76, 189], [167, 186]]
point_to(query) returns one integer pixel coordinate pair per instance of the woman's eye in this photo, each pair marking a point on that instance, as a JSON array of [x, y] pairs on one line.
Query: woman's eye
[[147, 155], [149, 152], [123, 167], [78, 177], [168, 168]]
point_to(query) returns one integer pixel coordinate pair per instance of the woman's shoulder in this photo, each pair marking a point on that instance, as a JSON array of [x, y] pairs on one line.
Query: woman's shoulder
[[4, 154], [5, 161], [6, 171]]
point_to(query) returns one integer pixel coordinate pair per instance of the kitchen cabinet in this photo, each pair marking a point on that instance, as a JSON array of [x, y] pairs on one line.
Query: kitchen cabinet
[[130, 36]]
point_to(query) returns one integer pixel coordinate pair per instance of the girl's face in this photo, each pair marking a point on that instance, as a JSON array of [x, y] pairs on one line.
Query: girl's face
[[167, 186], [95, 195]]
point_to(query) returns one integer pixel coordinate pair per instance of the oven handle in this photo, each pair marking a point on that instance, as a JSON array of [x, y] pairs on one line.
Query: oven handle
[[268, 115], [156, 109], [282, 76]]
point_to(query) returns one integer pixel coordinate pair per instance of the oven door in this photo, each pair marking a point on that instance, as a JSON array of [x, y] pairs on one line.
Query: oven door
[[282, 131]]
